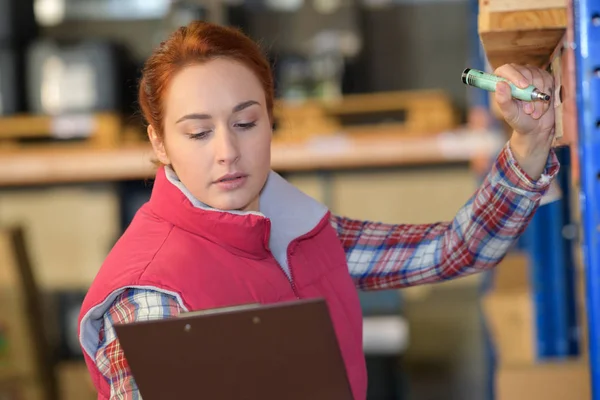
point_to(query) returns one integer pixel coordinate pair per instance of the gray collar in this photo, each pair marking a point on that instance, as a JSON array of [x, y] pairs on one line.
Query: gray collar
[[292, 212]]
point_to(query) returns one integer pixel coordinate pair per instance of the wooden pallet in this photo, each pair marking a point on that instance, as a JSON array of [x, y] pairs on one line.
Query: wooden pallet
[[397, 113], [101, 130]]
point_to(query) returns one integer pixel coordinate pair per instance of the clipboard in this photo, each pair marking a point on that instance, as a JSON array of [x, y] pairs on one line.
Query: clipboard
[[280, 351]]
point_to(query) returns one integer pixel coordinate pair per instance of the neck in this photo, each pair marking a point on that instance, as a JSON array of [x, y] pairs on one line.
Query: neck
[[253, 206]]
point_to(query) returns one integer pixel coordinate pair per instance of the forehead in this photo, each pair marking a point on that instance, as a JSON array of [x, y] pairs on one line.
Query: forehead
[[214, 84]]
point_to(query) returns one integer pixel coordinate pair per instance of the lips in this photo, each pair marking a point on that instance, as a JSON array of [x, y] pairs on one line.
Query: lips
[[231, 177], [230, 182]]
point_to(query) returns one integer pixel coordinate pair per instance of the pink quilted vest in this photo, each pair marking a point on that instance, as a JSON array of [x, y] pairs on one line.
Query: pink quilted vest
[[208, 258]]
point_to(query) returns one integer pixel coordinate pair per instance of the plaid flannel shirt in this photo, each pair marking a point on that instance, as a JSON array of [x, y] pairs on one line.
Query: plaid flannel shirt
[[380, 256]]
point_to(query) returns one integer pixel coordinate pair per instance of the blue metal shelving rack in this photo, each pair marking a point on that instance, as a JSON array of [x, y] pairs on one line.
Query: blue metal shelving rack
[[552, 272], [552, 261], [587, 49]]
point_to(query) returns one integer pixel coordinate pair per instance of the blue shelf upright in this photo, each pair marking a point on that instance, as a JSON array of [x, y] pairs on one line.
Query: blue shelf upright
[[552, 272], [587, 51]]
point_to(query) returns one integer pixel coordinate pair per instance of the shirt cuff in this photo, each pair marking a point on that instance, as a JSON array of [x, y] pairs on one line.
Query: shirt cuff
[[510, 174]]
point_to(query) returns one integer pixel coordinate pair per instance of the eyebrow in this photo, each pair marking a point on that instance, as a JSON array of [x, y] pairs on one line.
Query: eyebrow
[[238, 108]]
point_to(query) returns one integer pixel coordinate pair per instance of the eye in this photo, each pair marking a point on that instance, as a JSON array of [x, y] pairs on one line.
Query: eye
[[246, 126], [198, 136]]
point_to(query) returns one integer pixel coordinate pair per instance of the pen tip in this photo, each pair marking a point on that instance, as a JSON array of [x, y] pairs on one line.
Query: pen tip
[[464, 75]]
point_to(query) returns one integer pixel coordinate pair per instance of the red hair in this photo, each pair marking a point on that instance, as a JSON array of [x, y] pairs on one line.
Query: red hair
[[197, 43]]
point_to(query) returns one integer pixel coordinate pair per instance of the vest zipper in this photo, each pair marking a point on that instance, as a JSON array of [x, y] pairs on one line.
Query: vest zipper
[[290, 278]]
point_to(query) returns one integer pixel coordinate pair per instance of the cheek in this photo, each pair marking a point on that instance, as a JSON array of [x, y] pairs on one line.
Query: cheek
[[183, 149], [195, 176], [189, 158], [260, 148]]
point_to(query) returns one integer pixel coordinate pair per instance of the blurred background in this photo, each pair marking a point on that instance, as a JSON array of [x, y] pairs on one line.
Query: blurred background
[[372, 119]]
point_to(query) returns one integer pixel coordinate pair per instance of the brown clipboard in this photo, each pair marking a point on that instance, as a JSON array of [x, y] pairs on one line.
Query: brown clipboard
[[271, 352]]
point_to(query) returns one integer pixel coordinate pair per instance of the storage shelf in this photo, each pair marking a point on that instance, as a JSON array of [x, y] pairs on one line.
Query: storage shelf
[[53, 165], [565, 35]]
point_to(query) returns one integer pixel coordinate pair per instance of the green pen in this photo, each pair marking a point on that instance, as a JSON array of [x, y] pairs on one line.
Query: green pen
[[485, 81]]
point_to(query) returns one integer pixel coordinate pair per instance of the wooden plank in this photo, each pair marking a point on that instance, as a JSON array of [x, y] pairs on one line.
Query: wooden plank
[[359, 151], [97, 130], [24, 126], [519, 5], [41, 166], [417, 112], [516, 21], [51, 166], [522, 37], [528, 47]]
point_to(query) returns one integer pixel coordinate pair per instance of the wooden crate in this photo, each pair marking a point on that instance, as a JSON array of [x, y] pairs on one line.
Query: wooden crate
[[101, 130], [397, 113]]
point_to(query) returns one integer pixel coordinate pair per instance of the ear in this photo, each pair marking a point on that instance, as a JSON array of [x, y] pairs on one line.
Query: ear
[[158, 144]]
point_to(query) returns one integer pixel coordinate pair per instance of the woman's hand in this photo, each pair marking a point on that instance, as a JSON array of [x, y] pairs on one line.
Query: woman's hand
[[532, 122]]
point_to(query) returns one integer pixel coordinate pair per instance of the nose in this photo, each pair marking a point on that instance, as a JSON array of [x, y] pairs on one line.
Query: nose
[[227, 149]]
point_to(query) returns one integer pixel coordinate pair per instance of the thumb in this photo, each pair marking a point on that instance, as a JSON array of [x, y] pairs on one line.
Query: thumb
[[506, 103]]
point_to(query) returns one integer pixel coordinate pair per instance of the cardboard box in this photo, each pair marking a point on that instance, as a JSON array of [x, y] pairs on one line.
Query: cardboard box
[[557, 380], [74, 382], [17, 388], [69, 230], [509, 312]]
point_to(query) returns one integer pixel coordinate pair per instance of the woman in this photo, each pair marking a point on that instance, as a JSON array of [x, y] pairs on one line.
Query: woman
[[221, 228]]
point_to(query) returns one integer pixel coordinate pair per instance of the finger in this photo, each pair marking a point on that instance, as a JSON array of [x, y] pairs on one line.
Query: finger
[[527, 71], [549, 88], [537, 81], [508, 106], [546, 86], [514, 75], [528, 107]]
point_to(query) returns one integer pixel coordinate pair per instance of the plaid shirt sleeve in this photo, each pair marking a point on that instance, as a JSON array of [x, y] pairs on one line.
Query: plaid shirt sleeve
[[132, 305], [385, 256]]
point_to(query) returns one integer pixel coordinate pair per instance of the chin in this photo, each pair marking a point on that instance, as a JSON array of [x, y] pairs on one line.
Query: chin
[[233, 204]]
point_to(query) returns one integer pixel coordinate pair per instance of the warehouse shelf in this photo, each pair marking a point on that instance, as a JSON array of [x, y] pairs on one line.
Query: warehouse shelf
[[564, 36], [134, 161]]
